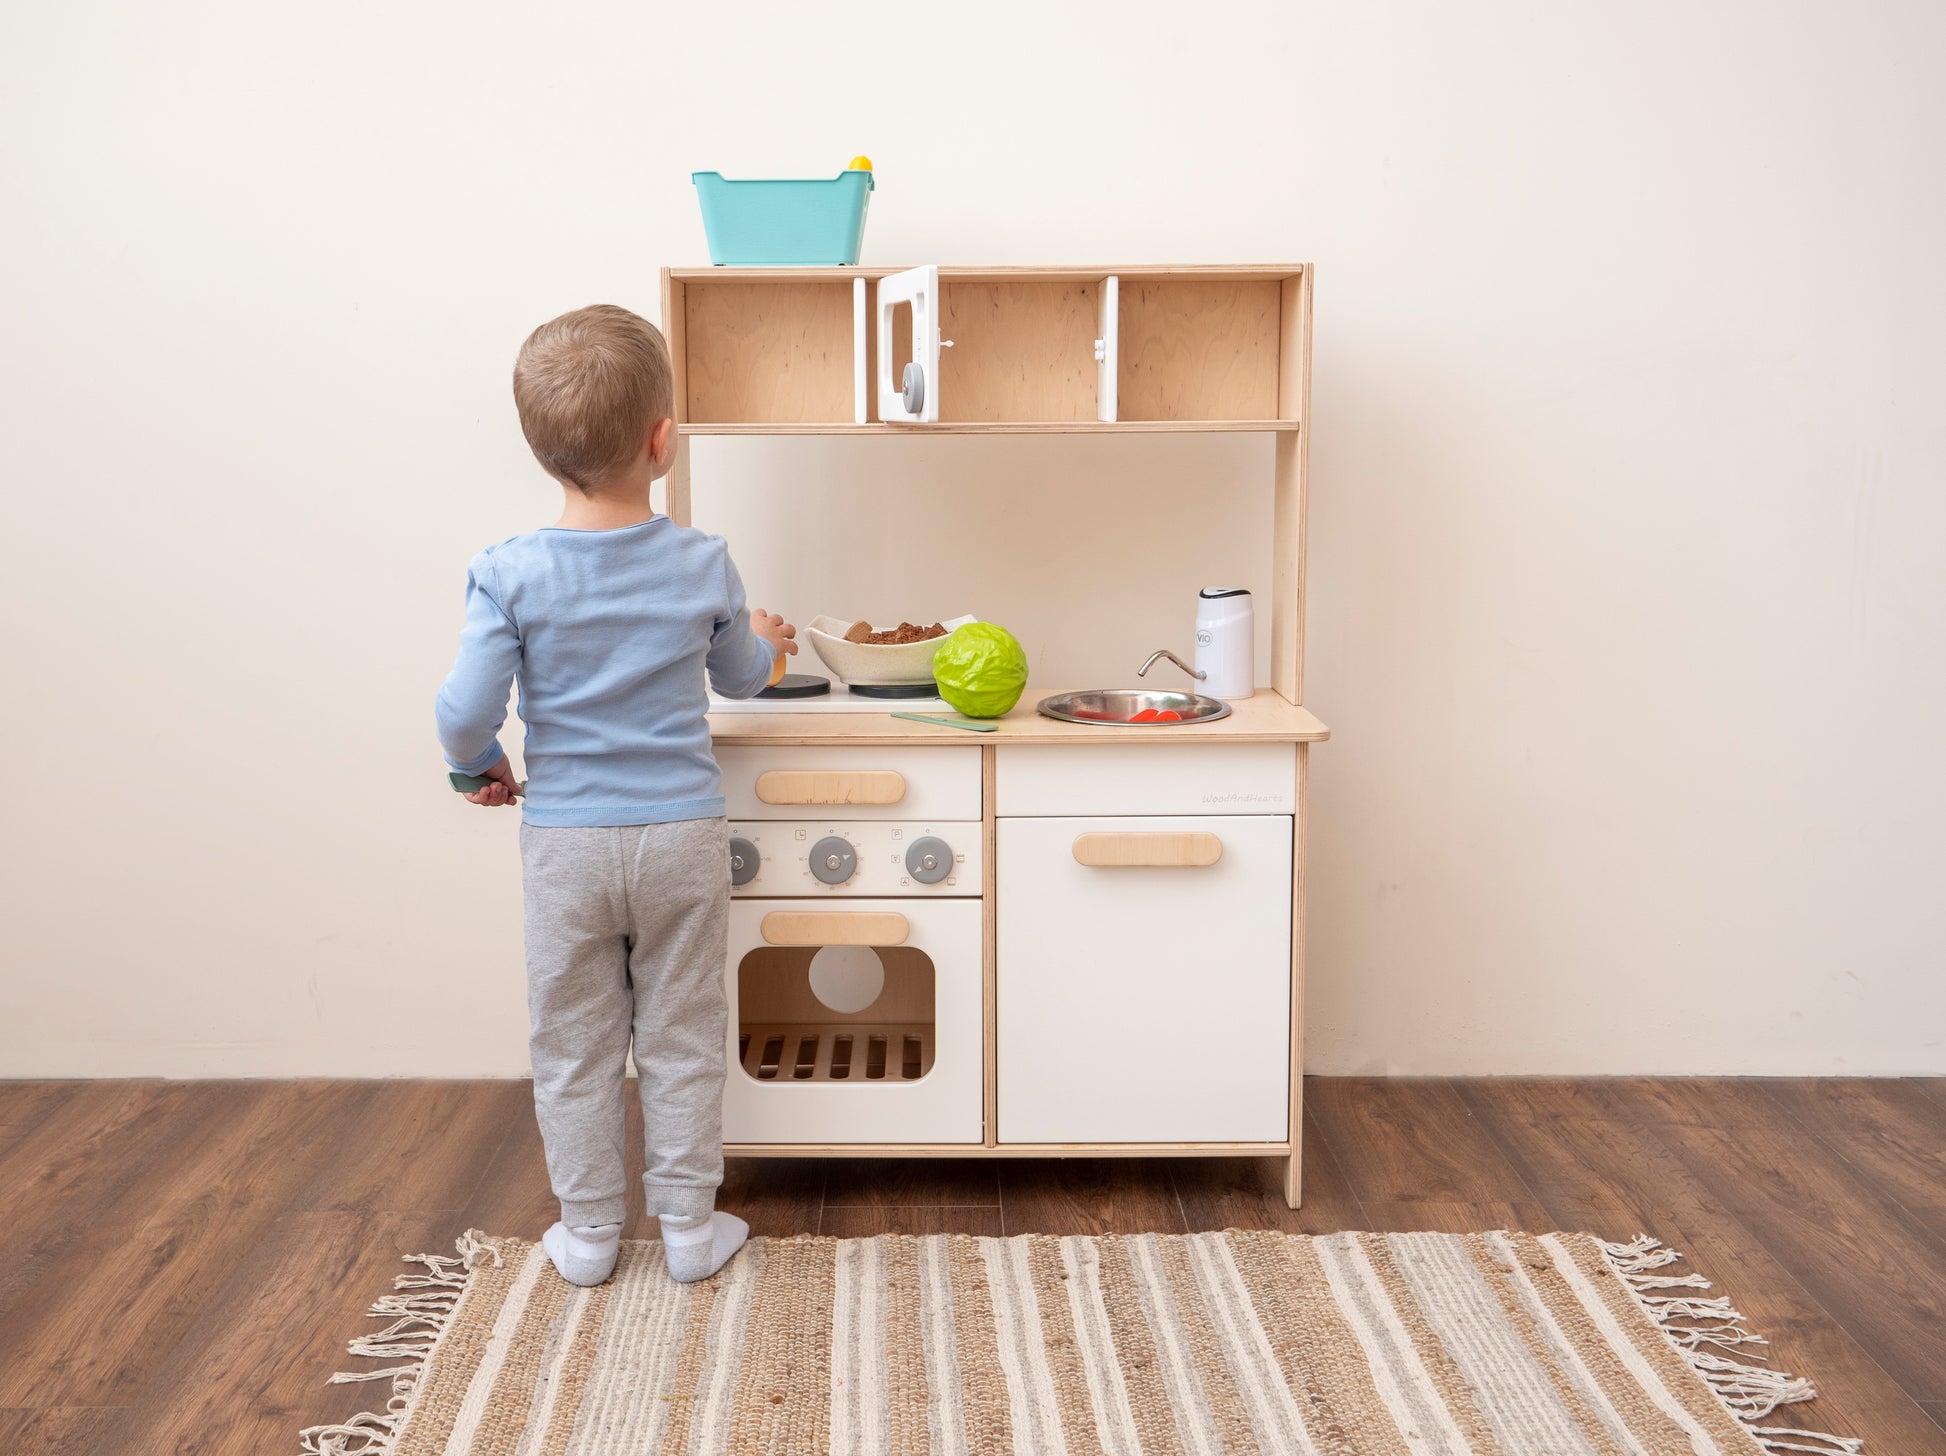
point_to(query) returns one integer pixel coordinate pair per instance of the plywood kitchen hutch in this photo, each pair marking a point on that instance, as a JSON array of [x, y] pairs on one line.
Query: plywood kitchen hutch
[[1075, 939]]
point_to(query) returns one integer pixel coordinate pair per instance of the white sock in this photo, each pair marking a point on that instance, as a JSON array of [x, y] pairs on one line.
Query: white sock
[[584, 1255], [696, 1248]]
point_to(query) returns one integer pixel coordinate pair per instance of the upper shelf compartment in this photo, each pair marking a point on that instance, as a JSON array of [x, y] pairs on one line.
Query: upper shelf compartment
[[1019, 350]]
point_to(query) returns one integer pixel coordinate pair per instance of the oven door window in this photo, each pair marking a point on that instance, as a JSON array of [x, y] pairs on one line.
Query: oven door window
[[842, 1014]]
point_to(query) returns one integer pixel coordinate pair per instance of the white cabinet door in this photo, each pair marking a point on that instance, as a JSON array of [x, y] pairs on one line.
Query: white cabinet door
[[1144, 1002], [914, 396], [943, 1106]]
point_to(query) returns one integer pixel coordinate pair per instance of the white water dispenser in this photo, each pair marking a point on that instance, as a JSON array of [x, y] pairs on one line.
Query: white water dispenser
[[1226, 642]]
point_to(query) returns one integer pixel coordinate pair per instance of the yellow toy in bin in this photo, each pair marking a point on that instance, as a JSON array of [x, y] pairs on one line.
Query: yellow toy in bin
[[860, 163]]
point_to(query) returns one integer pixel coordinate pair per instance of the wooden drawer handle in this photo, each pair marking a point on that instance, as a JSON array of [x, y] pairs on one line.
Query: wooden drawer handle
[[833, 927], [1118, 851], [831, 786]]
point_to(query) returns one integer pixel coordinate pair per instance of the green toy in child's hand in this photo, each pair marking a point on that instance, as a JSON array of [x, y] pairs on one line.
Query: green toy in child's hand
[[473, 783]]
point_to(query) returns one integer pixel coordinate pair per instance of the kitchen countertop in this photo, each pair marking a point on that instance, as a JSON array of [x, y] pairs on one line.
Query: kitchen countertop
[[1265, 718]]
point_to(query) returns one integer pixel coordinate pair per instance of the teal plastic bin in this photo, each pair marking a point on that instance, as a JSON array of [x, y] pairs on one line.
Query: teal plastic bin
[[783, 222]]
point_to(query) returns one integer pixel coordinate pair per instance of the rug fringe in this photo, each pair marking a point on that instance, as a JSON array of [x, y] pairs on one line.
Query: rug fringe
[[1771, 1439], [1750, 1392], [420, 1309]]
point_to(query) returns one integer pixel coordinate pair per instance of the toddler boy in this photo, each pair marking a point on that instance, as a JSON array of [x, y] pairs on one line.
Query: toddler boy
[[609, 620]]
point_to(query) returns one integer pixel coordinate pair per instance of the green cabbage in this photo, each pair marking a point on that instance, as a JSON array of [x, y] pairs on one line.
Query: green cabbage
[[981, 670]]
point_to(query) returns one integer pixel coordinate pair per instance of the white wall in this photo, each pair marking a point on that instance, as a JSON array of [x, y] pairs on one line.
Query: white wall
[[1629, 488]]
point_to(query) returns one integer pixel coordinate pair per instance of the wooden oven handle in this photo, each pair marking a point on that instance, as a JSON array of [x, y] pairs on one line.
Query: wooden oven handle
[[830, 786], [835, 927], [1172, 851]]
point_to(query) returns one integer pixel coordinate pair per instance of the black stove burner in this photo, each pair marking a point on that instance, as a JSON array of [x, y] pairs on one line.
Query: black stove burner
[[895, 690], [797, 685]]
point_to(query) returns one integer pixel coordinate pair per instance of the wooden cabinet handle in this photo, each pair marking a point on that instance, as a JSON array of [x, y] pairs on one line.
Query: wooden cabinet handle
[[835, 927], [830, 786], [1119, 851]]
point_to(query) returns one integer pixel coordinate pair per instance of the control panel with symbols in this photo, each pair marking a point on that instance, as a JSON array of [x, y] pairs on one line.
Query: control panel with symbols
[[774, 858]]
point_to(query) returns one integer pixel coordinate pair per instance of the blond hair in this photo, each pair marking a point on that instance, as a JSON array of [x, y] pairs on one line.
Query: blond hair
[[589, 386]]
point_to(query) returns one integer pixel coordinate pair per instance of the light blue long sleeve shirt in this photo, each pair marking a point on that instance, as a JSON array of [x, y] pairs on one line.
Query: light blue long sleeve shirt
[[609, 634]]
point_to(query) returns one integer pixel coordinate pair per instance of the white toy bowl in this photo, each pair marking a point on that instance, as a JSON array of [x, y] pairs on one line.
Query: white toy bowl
[[881, 664]]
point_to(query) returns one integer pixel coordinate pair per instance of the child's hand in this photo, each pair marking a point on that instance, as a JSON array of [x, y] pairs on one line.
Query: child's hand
[[774, 630], [501, 791]]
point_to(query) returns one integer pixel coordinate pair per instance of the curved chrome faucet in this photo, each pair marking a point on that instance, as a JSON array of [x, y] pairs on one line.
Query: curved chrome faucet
[[1143, 670]]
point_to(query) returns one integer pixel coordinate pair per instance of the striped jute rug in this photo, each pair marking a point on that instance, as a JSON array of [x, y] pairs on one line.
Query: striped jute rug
[[1503, 1344]]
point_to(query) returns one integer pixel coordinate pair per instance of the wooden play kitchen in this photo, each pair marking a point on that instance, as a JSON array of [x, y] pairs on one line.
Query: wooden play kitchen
[[1058, 938]]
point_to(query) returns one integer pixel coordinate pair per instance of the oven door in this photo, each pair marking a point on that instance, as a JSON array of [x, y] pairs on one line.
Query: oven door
[[854, 1021]]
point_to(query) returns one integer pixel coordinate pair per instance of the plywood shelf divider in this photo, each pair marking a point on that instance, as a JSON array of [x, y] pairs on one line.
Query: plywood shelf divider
[[1058, 273], [861, 352], [1108, 352], [1001, 427]]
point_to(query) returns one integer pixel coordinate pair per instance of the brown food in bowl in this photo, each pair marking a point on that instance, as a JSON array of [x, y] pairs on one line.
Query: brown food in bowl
[[898, 636]]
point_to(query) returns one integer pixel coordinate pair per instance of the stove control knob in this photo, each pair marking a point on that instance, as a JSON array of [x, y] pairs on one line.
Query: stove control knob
[[929, 859], [745, 861], [833, 860]]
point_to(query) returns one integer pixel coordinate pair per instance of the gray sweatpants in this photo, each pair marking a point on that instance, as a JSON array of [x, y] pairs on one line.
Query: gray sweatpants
[[627, 936]]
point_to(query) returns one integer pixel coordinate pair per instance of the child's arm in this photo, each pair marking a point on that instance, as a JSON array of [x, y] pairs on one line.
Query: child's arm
[[473, 700], [740, 658]]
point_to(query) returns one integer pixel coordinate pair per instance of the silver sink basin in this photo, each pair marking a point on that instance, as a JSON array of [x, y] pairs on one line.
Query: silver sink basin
[[1115, 707]]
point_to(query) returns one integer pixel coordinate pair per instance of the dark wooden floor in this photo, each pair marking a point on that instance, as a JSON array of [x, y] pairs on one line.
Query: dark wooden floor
[[182, 1262]]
